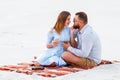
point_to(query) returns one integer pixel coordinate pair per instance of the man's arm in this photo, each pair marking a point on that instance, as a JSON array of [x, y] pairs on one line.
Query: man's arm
[[86, 47]]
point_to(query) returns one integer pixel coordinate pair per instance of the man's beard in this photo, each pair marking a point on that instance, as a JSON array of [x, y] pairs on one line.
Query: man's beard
[[76, 26]]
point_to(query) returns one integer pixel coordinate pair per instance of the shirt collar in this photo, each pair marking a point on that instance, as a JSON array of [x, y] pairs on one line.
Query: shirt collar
[[83, 29]]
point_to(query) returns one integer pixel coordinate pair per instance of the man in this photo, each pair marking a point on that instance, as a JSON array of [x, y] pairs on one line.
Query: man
[[85, 48]]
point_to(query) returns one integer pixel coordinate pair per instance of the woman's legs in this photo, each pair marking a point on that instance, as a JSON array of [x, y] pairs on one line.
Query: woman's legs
[[35, 63]]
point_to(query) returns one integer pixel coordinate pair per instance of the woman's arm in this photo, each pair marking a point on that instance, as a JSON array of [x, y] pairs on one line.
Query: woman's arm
[[50, 38], [53, 43], [72, 39], [49, 45]]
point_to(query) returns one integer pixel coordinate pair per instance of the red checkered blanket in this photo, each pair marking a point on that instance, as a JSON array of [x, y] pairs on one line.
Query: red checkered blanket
[[25, 68]]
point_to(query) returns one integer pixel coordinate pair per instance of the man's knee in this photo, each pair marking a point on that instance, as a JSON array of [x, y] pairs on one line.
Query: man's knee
[[64, 55]]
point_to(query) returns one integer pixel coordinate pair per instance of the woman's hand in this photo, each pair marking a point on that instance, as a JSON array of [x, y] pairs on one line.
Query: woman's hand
[[65, 45], [72, 30], [55, 42], [49, 45]]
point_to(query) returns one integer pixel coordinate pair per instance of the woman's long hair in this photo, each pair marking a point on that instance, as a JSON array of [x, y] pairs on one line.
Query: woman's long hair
[[60, 23]]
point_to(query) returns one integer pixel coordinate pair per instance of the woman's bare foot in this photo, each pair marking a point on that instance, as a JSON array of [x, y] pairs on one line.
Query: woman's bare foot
[[35, 63], [51, 65]]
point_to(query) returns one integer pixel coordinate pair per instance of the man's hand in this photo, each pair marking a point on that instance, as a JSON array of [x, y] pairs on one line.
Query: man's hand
[[65, 45]]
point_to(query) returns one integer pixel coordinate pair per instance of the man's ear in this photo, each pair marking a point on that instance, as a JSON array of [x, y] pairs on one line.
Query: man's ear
[[81, 22]]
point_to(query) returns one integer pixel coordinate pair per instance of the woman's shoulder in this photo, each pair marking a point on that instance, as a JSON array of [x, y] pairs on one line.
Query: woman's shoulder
[[67, 27], [51, 30]]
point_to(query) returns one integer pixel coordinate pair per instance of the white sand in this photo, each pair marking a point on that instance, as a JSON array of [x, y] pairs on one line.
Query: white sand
[[25, 23]]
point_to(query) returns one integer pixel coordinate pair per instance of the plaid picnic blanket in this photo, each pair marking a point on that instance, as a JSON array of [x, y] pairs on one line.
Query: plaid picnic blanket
[[25, 68]]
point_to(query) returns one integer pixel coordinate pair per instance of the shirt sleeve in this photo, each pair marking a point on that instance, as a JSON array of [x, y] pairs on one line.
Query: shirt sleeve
[[50, 37], [86, 47]]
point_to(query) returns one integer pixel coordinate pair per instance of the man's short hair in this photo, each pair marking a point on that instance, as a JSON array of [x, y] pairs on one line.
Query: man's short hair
[[82, 16]]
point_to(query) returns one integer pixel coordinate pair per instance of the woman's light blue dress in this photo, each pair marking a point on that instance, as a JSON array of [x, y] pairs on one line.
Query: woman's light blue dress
[[54, 54]]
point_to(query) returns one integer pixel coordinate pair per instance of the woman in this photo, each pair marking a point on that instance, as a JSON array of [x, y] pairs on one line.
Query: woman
[[60, 33]]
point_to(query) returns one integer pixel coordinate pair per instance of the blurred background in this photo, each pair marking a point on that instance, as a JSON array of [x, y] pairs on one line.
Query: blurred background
[[24, 25]]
